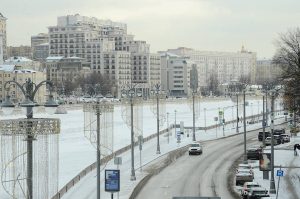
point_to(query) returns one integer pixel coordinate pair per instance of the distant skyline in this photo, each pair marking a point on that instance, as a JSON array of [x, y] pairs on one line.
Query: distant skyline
[[212, 25]]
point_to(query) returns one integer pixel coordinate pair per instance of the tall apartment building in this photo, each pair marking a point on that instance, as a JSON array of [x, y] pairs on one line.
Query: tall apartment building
[[226, 66], [266, 71], [12, 72], [40, 46], [107, 47], [3, 33], [19, 51]]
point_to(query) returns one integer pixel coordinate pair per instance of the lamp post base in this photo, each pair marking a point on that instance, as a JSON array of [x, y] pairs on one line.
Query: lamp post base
[[132, 178], [272, 187], [157, 152]]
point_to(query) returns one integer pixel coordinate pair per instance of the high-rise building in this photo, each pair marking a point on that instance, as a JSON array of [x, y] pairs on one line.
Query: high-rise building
[[3, 33], [107, 47]]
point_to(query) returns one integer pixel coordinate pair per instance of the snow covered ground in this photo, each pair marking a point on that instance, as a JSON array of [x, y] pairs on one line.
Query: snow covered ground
[[290, 182], [76, 152]]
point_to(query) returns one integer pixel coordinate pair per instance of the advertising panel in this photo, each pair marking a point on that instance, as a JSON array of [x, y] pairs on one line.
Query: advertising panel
[[112, 180]]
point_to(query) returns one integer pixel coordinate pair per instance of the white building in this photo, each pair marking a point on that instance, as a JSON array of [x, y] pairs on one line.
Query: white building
[[107, 47], [175, 74], [226, 66]]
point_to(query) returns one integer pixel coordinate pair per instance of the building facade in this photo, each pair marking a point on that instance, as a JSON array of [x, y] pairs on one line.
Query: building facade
[[40, 46], [266, 71], [59, 70], [19, 51], [225, 66], [107, 47], [3, 34], [24, 63], [12, 72], [1, 49], [175, 74]]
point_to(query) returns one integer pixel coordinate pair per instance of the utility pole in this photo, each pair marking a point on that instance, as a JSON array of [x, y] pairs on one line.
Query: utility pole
[[194, 136], [168, 127]]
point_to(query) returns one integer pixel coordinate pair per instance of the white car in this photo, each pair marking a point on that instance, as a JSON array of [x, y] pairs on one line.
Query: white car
[[195, 148]]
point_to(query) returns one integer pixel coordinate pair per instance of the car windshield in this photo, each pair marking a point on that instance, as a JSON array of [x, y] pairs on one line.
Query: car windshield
[[253, 185], [195, 145]]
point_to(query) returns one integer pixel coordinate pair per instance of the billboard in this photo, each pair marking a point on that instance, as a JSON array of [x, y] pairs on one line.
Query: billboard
[[112, 180], [265, 162]]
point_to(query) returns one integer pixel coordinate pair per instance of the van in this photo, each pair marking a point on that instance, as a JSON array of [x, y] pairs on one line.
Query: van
[[260, 135]]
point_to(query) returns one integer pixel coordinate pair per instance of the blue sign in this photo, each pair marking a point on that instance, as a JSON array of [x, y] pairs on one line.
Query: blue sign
[[112, 180], [279, 173]]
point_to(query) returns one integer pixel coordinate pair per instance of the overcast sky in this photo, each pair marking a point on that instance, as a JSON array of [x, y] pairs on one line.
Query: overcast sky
[[215, 25]]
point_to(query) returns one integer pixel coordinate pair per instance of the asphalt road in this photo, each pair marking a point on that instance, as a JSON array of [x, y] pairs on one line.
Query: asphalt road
[[204, 175]]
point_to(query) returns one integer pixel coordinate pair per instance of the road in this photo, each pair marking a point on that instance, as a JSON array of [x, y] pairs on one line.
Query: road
[[204, 175]]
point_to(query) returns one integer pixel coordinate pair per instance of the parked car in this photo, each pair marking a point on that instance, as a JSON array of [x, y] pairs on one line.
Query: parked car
[[278, 139], [268, 141], [243, 175], [260, 135], [247, 187], [279, 131], [245, 166], [253, 152], [257, 193], [285, 137], [195, 148]]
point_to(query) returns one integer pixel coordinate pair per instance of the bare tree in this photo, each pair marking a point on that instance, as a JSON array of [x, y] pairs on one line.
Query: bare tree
[[213, 83], [287, 56]]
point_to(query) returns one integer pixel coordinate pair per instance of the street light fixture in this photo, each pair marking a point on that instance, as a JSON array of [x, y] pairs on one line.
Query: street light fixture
[[130, 94], [100, 108], [29, 89]]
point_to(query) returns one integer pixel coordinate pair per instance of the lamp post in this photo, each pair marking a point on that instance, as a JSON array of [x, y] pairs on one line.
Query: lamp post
[[29, 90], [272, 181], [194, 136], [168, 127], [264, 123], [237, 113], [245, 138], [175, 123], [156, 91], [131, 93], [99, 108]]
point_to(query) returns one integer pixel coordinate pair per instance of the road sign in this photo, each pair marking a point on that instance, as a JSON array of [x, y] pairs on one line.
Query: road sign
[[118, 160], [112, 180], [280, 173]]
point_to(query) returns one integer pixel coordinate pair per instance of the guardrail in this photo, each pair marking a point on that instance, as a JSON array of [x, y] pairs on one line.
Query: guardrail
[[104, 160]]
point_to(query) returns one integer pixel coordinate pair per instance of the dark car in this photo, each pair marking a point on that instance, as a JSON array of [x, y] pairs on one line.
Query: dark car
[[253, 152], [260, 135], [279, 131], [278, 139]]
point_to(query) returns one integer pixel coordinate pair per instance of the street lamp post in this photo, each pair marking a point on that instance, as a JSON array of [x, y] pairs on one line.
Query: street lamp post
[[245, 138], [98, 108], [29, 89], [264, 123], [175, 123], [156, 91], [168, 127], [131, 93], [194, 136], [237, 113], [272, 181]]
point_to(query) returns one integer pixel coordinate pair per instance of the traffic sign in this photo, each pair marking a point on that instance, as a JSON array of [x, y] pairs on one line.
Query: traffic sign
[[280, 173]]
